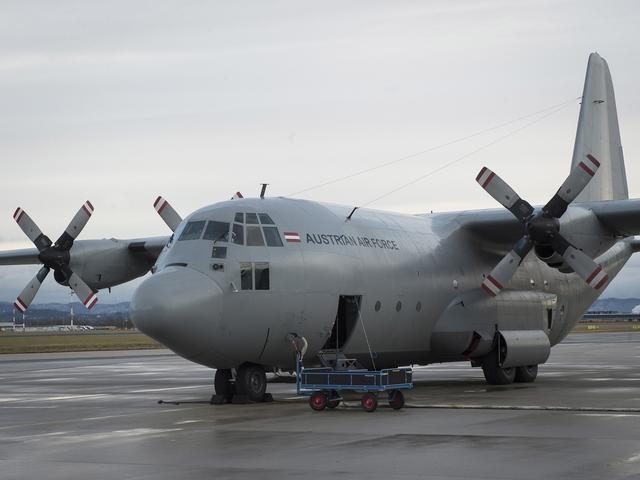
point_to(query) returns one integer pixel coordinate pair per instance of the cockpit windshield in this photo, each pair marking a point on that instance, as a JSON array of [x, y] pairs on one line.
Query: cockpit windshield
[[192, 231], [217, 231]]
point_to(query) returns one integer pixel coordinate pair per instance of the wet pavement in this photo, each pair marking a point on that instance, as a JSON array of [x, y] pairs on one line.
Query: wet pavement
[[96, 415]]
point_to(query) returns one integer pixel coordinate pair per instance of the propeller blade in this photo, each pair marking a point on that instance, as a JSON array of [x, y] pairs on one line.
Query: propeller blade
[[502, 273], [75, 226], [167, 213], [87, 296], [579, 177], [581, 263], [236, 196], [504, 194], [31, 230], [28, 294]]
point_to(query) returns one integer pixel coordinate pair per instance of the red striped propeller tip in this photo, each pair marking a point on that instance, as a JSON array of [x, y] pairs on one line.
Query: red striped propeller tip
[[20, 305], [17, 214], [155, 204], [88, 207]]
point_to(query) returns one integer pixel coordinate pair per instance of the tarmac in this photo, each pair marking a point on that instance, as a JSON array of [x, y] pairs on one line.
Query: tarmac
[[96, 415]]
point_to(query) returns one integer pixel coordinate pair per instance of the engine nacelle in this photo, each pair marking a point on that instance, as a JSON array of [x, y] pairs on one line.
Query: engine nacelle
[[106, 263], [521, 348], [552, 258]]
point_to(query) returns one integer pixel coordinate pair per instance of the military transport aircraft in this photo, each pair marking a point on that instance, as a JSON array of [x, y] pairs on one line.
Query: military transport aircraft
[[238, 280]]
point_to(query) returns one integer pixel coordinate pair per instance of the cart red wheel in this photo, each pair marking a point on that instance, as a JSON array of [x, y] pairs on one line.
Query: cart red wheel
[[396, 399], [334, 399], [318, 401], [369, 402]]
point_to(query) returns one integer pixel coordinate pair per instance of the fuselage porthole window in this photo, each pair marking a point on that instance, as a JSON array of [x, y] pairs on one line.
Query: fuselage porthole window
[[378, 306], [192, 231]]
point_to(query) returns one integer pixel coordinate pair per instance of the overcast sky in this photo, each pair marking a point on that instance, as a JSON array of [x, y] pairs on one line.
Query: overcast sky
[[117, 102]]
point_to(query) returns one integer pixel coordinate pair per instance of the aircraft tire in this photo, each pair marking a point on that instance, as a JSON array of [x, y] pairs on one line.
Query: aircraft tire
[[369, 402], [494, 374], [318, 401], [251, 381], [333, 399], [396, 399], [222, 383], [526, 374]]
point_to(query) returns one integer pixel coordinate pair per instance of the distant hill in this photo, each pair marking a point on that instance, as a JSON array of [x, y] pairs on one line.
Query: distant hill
[[621, 305], [59, 313]]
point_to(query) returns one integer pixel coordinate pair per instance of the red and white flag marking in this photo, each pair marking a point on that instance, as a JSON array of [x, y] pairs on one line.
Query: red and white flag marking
[[292, 237]]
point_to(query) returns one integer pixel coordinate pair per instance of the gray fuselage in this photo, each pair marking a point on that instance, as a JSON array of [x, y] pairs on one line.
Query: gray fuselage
[[404, 271]]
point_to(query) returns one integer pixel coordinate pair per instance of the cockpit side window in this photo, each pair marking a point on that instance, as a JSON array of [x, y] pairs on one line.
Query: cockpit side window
[[192, 231], [217, 231], [272, 236]]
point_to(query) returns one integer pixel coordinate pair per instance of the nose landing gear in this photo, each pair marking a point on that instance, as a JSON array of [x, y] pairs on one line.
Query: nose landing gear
[[249, 385]]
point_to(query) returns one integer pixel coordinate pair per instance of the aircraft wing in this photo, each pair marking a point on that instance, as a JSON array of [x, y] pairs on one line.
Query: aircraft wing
[[499, 227], [622, 217], [25, 256], [143, 248]]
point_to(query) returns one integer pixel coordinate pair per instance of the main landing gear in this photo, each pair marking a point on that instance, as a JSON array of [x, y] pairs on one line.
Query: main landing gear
[[497, 375], [248, 386]]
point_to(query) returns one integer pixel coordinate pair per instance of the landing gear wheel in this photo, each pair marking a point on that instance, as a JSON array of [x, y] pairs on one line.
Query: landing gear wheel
[[334, 399], [222, 383], [396, 399], [369, 402], [318, 401], [494, 373], [526, 374], [252, 382]]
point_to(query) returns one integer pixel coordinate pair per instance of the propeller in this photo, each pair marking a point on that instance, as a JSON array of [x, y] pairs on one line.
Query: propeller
[[542, 228], [167, 213], [55, 256]]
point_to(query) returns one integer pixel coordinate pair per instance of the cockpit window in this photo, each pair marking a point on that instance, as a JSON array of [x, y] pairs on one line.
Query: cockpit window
[[265, 219], [254, 237], [272, 236], [217, 231], [192, 230], [238, 234]]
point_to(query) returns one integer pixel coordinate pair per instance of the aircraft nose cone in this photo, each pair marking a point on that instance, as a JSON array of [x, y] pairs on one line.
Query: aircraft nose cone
[[179, 307]]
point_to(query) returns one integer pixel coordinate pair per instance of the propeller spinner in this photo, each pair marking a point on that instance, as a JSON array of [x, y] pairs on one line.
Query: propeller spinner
[[55, 256], [542, 228]]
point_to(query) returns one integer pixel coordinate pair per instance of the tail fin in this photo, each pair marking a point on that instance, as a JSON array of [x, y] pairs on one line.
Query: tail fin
[[598, 134]]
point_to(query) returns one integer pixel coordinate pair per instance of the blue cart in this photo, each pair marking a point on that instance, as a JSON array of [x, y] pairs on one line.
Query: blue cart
[[324, 385]]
